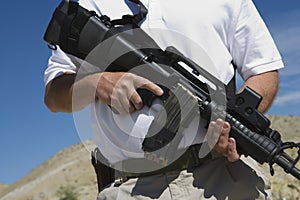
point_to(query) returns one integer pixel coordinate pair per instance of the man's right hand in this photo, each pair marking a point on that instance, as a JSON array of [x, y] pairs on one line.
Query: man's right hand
[[118, 89]]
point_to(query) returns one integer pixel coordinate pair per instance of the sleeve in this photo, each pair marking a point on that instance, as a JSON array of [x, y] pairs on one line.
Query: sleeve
[[60, 63], [253, 48]]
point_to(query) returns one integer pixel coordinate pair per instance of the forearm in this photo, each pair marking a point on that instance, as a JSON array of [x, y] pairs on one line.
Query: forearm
[[117, 89], [58, 94], [66, 94], [266, 85]]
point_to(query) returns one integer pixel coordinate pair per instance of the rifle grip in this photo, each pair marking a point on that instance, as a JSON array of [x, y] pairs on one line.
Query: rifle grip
[[146, 96]]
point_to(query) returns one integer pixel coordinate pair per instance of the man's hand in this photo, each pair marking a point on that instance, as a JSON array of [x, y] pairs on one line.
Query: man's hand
[[218, 138], [118, 89]]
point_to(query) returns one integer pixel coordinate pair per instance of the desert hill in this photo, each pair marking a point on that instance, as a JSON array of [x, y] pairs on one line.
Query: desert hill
[[3, 187], [71, 168]]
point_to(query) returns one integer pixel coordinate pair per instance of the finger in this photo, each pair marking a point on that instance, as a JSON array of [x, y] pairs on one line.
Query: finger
[[217, 130], [220, 129], [117, 107], [127, 106], [224, 135], [141, 82], [232, 154], [121, 104], [136, 100], [211, 137]]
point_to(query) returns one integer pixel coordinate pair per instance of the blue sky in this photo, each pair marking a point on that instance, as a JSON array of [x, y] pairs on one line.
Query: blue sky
[[30, 134]]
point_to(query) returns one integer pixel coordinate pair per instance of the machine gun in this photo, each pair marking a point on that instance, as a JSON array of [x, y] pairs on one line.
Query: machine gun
[[78, 31]]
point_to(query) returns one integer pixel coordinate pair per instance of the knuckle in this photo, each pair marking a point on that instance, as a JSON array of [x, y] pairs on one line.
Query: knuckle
[[223, 146], [129, 75], [137, 101]]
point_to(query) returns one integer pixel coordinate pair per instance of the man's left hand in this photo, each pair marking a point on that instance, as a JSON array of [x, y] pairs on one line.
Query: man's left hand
[[218, 137]]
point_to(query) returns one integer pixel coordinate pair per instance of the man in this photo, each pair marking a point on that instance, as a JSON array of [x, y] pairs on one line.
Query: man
[[229, 32]]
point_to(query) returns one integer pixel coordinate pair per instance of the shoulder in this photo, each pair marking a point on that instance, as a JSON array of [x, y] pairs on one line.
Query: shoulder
[[112, 8]]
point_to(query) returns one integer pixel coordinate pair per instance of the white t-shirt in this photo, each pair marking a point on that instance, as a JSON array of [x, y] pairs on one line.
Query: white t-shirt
[[225, 30]]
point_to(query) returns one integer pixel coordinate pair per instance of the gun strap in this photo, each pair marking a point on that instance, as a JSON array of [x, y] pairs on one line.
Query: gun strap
[[135, 19], [231, 86], [71, 28]]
